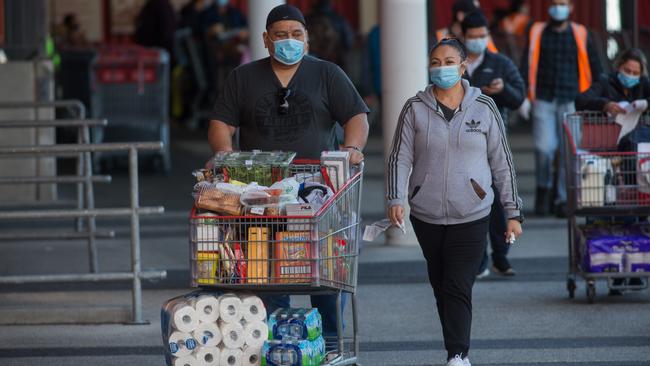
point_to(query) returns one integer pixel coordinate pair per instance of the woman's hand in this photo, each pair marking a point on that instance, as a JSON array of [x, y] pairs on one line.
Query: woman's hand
[[613, 108], [396, 215], [514, 227]]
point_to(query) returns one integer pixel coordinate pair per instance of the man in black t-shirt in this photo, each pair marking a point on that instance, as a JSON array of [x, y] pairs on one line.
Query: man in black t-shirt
[[290, 101]]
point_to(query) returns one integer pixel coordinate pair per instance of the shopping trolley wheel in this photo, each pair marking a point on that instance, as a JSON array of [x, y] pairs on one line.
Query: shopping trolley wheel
[[591, 292], [571, 287]]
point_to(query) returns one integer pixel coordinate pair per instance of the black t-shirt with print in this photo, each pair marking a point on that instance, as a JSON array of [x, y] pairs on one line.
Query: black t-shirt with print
[[319, 95]]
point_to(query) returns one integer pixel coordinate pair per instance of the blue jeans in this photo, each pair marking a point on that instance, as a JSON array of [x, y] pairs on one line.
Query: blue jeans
[[547, 136], [326, 305]]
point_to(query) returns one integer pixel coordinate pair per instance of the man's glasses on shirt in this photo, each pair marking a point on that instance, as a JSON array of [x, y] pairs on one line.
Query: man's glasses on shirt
[[283, 100]]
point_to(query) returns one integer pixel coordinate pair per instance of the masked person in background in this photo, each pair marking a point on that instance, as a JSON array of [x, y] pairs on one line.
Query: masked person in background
[[450, 147], [290, 101], [560, 63], [458, 12], [627, 83], [497, 76]]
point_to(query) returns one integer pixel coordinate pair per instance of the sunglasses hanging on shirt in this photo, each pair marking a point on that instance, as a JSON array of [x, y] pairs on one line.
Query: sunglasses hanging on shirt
[[283, 100]]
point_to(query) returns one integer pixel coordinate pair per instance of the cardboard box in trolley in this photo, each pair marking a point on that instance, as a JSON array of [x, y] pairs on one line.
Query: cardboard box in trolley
[[299, 209], [293, 257], [258, 255]]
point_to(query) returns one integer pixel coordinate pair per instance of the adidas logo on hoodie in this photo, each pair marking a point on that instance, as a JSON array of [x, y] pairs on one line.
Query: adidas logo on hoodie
[[473, 126]]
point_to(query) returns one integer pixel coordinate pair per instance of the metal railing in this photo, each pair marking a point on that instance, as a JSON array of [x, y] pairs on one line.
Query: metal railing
[[134, 211], [83, 137], [84, 178]]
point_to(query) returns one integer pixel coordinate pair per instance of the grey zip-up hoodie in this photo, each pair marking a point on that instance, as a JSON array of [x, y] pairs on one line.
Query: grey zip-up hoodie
[[452, 165]]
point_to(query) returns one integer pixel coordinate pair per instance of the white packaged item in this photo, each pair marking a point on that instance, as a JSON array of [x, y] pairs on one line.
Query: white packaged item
[[185, 318], [592, 180], [253, 308], [299, 209], [207, 308], [232, 335], [643, 167], [231, 357], [208, 356], [230, 308], [181, 344], [208, 334], [255, 333]]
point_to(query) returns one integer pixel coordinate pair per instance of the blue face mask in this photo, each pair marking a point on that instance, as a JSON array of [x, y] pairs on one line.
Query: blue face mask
[[289, 51], [559, 13], [445, 76], [222, 2], [628, 81], [476, 45]]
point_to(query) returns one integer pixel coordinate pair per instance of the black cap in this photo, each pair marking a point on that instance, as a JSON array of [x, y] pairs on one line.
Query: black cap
[[474, 19], [285, 12]]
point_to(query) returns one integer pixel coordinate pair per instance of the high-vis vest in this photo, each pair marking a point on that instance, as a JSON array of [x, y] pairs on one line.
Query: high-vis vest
[[534, 50], [443, 33]]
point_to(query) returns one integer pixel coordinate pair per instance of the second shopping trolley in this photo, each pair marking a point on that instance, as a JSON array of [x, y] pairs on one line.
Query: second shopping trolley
[[608, 202]]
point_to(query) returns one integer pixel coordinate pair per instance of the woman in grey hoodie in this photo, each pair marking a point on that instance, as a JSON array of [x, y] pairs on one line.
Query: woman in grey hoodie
[[450, 147]]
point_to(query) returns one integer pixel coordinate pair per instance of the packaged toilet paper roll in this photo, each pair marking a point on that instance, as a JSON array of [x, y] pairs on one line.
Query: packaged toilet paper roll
[[208, 334], [208, 356], [255, 333], [230, 357], [251, 356], [230, 308], [207, 308], [185, 318], [232, 335], [181, 344], [186, 361], [253, 309]]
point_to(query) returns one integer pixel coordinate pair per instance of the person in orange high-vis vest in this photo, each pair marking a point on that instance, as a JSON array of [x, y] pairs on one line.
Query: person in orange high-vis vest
[[560, 63]]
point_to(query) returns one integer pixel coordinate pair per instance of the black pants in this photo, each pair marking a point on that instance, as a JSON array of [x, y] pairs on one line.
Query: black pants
[[453, 254], [498, 227]]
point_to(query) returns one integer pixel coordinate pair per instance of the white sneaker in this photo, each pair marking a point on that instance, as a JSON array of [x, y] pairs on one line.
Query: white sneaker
[[459, 361], [483, 274]]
